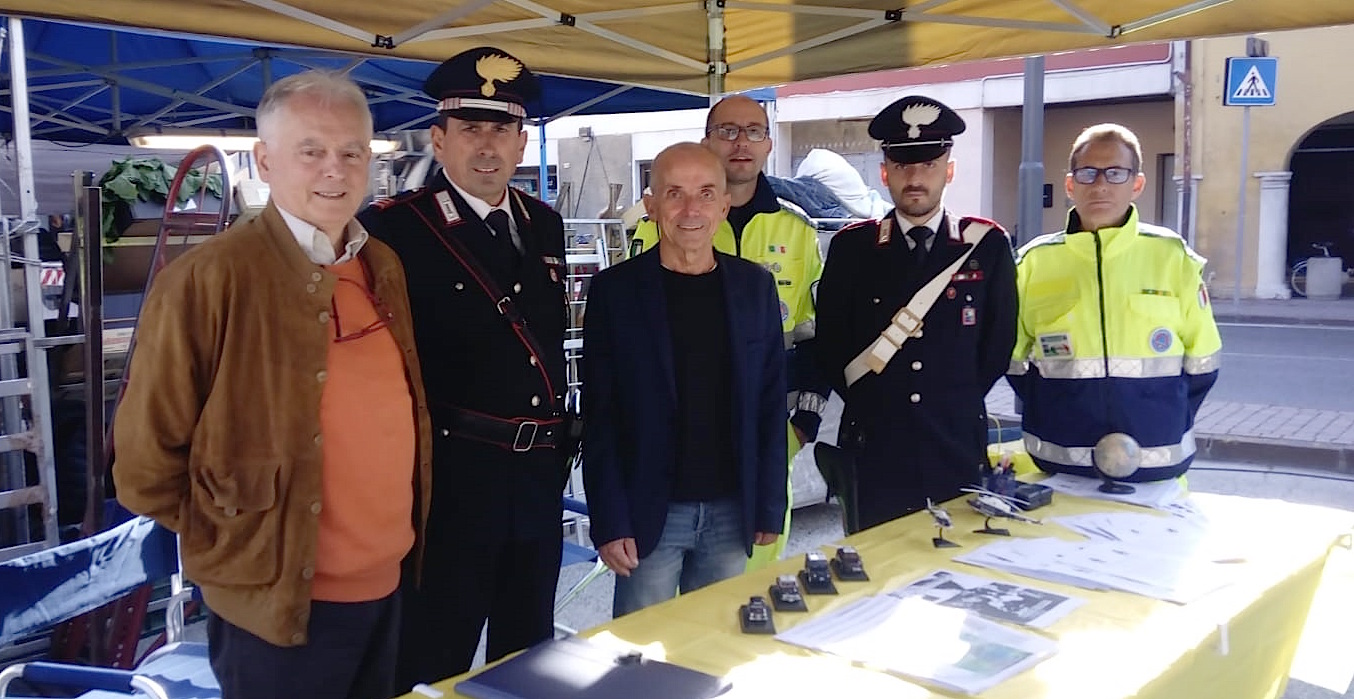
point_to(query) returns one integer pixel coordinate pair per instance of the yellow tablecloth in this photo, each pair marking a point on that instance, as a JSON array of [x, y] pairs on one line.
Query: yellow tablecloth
[[1235, 643]]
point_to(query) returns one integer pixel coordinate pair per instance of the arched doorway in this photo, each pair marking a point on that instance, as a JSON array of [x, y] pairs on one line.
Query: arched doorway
[[1321, 195]]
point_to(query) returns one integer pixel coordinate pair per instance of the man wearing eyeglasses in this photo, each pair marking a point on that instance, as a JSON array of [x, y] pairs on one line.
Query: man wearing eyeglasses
[[275, 416], [916, 317], [1116, 333], [778, 236]]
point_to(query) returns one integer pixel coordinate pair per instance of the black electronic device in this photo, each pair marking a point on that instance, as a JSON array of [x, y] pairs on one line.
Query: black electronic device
[[1032, 496]]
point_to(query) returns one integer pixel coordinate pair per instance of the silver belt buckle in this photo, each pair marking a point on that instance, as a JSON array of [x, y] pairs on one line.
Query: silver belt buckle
[[518, 444]]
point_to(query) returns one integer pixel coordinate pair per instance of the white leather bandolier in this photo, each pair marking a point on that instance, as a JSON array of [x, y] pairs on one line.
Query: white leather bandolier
[[907, 322]]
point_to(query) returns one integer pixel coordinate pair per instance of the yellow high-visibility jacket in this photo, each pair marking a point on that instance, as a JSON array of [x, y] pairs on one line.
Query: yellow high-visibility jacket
[[1115, 334]]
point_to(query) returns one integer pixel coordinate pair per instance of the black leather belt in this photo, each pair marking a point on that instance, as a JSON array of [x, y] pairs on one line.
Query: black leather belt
[[513, 434]]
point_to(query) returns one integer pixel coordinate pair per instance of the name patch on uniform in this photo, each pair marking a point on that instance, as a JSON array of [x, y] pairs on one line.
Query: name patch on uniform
[[1161, 340], [968, 316], [449, 213], [1055, 345], [784, 282], [1158, 292], [975, 276]]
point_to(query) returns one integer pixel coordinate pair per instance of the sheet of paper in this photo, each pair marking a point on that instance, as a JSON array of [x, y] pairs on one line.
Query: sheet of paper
[[1158, 494], [991, 599], [923, 641]]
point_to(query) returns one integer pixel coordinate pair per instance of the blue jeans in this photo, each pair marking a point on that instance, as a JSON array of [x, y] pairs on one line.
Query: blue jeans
[[701, 543]]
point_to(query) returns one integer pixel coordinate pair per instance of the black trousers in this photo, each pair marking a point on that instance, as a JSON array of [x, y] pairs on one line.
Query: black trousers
[[351, 653], [509, 584]]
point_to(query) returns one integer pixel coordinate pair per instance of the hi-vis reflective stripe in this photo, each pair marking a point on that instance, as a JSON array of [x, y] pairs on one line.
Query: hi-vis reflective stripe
[[1152, 457], [1120, 367], [1203, 365]]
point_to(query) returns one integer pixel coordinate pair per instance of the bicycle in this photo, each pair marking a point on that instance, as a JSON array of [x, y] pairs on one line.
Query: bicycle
[[1297, 277]]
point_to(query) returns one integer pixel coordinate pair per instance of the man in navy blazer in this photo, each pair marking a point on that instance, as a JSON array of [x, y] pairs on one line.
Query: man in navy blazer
[[684, 372]]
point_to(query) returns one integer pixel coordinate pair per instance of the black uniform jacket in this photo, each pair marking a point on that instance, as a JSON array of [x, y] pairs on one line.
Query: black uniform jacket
[[476, 362], [920, 426]]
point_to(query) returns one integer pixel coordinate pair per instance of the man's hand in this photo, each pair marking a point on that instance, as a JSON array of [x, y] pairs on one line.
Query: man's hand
[[765, 538], [619, 555], [800, 436]]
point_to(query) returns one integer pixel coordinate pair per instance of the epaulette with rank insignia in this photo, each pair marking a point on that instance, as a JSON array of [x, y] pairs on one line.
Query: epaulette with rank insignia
[[402, 197]]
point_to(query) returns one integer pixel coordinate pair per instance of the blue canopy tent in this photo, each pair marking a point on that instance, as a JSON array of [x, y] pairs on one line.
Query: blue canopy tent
[[91, 84]]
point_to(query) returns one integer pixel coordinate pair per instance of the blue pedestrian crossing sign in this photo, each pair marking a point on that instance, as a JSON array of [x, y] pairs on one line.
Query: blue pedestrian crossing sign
[[1250, 82]]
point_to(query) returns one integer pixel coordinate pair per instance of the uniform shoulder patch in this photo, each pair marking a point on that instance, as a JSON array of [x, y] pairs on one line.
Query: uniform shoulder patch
[[527, 195], [1042, 241], [793, 208], [401, 198], [1164, 233], [966, 220]]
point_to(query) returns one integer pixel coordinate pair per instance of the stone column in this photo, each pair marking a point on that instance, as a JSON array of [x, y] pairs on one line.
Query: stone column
[[1271, 258]]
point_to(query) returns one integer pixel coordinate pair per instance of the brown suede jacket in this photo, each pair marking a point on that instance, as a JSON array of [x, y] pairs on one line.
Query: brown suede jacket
[[218, 435]]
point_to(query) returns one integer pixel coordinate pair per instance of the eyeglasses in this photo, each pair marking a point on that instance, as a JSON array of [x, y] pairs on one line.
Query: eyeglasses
[[383, 314], [1113, 175], [729, 132]]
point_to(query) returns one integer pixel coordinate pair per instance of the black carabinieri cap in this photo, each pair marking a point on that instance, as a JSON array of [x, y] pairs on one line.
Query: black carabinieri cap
[[916, 129], [483, 84]]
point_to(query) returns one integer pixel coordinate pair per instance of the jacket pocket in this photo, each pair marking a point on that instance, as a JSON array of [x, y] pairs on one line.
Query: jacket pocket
[[1158, 310], [234, 534]]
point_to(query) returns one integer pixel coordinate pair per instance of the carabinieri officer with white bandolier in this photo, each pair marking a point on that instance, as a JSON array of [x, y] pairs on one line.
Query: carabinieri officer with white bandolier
[[916, 316], [485, 268]]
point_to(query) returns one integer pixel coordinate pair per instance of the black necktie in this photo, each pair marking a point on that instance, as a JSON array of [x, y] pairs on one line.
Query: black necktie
[[919, 234], [498, 223]]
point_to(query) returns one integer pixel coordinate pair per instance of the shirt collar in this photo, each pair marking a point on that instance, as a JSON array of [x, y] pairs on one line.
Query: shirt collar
[[932, 223], [481, 207], [315, 244]]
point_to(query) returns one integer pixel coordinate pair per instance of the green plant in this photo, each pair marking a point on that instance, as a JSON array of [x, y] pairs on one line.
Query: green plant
[[138, 178]]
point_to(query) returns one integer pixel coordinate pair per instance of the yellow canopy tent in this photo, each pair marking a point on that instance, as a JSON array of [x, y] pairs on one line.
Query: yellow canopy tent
[[676, 45]]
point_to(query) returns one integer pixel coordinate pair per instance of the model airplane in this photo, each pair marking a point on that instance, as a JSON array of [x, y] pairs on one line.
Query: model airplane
[[990, 504], [943, 522]]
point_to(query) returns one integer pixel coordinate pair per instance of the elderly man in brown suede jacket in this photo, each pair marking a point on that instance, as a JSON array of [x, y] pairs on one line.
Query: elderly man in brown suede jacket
[[275, 417]]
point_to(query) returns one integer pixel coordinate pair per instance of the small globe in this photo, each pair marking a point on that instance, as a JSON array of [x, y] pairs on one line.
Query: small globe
[[1117, 455]]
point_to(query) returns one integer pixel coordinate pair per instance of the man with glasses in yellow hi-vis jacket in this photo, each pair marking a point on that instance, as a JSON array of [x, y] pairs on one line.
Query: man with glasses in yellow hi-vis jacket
[[1116, 336], [761, 229]]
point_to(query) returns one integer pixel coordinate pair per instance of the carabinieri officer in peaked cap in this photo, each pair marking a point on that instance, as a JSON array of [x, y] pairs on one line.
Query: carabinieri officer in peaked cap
[[916, 319], [486, 271]]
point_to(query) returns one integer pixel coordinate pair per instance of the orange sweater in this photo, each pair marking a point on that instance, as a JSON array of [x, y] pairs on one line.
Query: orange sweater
[[367, 419]]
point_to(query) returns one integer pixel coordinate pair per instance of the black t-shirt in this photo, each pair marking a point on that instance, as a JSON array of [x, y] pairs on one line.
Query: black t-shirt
[[702, 359]]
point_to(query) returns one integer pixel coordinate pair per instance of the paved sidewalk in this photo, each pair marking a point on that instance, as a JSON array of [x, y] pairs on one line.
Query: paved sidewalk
[[1339, 312], [1252, 432]]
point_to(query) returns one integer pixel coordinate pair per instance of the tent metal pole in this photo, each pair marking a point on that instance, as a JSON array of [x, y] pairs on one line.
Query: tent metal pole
[[715, 48], [1031, 178], [544, 169]]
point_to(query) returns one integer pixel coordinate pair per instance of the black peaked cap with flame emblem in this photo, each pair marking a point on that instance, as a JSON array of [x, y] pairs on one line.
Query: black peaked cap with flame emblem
[[916, 129], [483, 84]]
